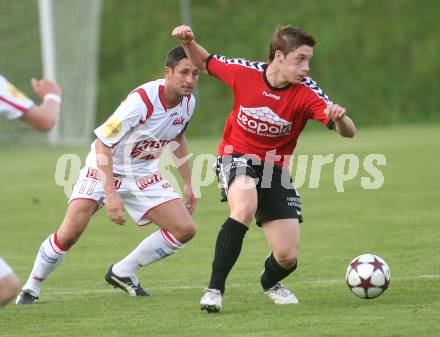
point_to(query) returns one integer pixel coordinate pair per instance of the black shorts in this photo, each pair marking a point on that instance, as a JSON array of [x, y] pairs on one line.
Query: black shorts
[[277, 196]]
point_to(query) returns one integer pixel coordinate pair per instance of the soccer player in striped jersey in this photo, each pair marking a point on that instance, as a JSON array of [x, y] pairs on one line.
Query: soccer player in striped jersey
[[121, 171], [272, 103], [14, 104]]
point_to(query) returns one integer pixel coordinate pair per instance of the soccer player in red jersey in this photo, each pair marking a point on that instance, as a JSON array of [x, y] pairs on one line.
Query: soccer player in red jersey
[[272, 103]]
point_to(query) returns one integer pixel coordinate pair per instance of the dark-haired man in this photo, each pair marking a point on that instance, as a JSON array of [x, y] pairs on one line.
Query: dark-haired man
[[121, 171], [272, 103]]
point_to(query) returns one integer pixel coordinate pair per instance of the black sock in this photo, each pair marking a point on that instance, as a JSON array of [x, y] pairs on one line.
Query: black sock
[[273, 272], [227, 250]]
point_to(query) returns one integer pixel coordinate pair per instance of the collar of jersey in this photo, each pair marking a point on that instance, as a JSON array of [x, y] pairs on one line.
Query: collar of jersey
[[270, 85], [162, 99]]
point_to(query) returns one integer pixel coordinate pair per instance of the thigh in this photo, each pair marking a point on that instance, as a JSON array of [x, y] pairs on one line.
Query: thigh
[[278, 202], [89, 187], [75, 221], [242, 193], [283, 236], [147, 193], [228, 168], [171, 215]]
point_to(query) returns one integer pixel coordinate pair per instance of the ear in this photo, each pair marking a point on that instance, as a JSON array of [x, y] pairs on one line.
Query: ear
[[168, 71], [279, 56]]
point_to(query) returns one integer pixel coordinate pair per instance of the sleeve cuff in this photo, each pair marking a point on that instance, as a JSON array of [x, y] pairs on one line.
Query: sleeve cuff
[[105, 141], [207, 63], [331, 125]]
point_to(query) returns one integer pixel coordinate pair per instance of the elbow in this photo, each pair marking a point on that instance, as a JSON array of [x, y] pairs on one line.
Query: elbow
[[46, 126], [350, 134]]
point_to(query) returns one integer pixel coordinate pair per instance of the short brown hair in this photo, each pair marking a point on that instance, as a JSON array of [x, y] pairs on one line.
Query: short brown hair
[[287, 39], [174, 56]]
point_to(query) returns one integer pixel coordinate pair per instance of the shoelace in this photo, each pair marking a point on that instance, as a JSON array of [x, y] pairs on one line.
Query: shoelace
[[279, 289], [210, 293]]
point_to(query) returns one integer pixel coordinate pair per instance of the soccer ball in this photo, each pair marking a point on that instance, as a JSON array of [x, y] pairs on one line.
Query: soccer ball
[[368, 276]]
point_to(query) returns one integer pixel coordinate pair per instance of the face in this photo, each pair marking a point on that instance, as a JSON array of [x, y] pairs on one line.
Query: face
[[183, 78], [295, 65]]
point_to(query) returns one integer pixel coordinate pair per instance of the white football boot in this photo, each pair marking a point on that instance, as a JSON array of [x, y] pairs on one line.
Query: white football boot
[[281, 295], [211, 300]]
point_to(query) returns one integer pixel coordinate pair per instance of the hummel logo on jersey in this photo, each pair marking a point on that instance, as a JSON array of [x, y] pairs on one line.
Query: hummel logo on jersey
[[263, 122], [268, 94]]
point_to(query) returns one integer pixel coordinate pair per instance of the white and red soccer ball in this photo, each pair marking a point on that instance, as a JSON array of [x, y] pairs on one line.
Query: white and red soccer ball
[[368, 276]]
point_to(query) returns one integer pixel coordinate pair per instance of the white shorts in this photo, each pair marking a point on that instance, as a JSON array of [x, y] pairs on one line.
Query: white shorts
[[4, 268], [140, 195]]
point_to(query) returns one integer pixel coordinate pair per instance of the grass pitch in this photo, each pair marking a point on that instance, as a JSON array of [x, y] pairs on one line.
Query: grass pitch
[[400, 222]]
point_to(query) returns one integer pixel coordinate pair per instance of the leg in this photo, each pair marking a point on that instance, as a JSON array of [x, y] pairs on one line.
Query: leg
[[8, 283], [283, 236], [243, 204], [177, 228], [53, 249], [175, 219]]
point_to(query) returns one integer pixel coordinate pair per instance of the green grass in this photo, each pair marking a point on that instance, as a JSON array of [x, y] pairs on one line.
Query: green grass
[[399, 222]]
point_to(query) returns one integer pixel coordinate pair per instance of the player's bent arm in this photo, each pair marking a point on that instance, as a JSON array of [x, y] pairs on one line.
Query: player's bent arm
[[43, 117], [114, 202], [343, 124], [196, 53], [345, 127]]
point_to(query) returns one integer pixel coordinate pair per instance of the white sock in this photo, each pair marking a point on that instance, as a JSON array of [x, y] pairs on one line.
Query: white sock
[[157, 246], [48, 258]]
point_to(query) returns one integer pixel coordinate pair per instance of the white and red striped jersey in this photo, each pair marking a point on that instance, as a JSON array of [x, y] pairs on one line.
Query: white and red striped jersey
[[13, 103], [265, 118], [140, 128]]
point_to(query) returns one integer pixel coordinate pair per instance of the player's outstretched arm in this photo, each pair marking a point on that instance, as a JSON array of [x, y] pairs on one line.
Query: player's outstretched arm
[[43, 117], [185, 172], [113, 203], [343, 124], [196, 53]]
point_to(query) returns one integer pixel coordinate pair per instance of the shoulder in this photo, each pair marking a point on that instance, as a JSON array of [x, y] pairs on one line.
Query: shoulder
[[145, 94], [151, 88], [311, 87], [239, 63]]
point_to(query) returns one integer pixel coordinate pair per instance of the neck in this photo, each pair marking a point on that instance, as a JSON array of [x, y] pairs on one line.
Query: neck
[[273, 75], [170, 97]]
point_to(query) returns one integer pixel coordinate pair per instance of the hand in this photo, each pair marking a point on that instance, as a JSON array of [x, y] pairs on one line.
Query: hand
[[335, 112], [43, 87], [115, 206], [190, 199], [183, 34]]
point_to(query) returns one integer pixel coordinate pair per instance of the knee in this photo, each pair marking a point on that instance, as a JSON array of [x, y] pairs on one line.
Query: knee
[[185, 232], [68, 236], [286, 258], [10, 286], [244, 212]]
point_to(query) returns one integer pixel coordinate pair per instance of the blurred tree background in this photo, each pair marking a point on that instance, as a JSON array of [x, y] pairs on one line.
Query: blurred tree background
[[378, 58]]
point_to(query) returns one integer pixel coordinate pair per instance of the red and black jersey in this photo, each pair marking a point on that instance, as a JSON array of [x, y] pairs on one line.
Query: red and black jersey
[[265, 120]]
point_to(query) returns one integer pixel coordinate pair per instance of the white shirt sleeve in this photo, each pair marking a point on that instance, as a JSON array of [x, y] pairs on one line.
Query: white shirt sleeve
[[13, 103], [128, 115]]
